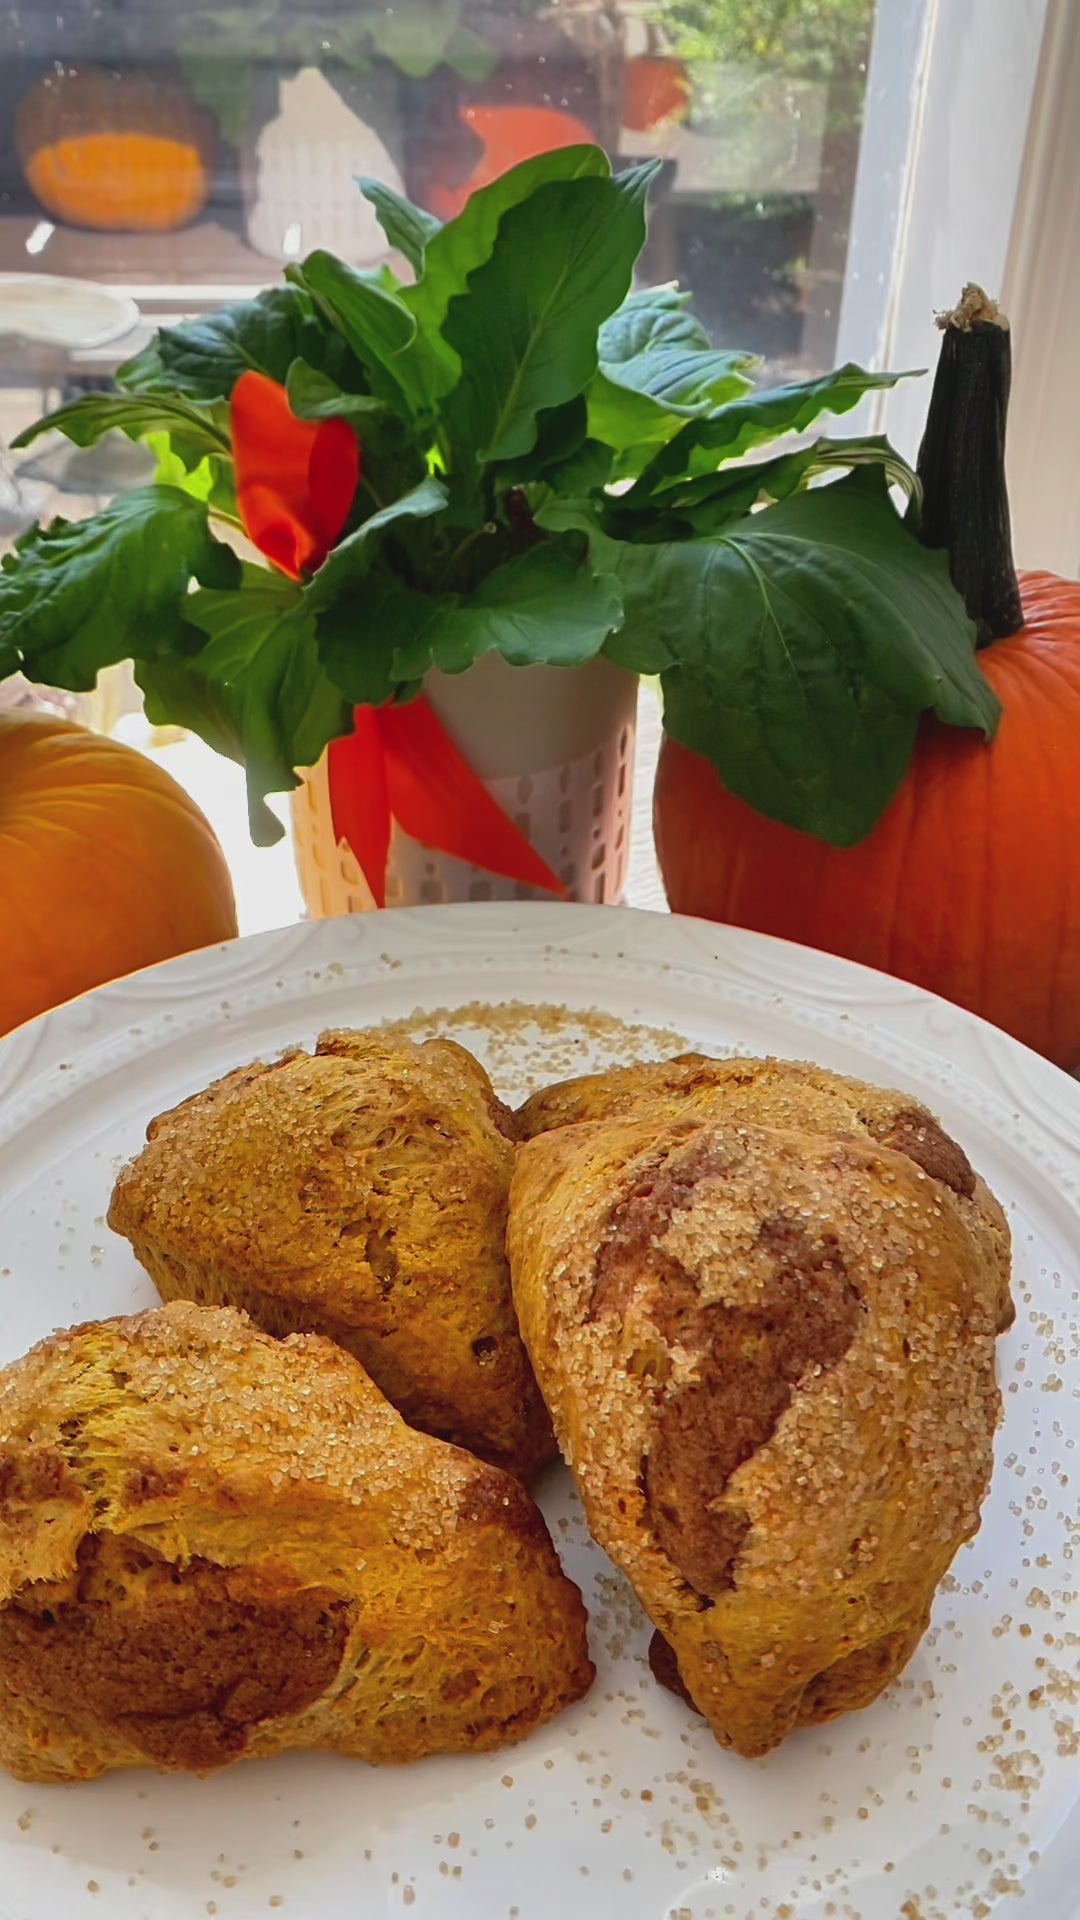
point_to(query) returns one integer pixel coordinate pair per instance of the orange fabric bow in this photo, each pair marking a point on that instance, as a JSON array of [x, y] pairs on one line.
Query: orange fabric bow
[[295, 479], [399, 763], [295, 482]]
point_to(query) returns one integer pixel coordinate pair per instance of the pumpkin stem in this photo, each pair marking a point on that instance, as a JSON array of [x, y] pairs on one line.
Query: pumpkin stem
[[962, 463]]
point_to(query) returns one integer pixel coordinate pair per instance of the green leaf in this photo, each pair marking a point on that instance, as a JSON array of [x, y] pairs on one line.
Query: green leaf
[[653, 344], [223, 86], [260, 666], [587, 471], [545, 607], [211, 480], [203, 358], [634, 643], [361, 638], [374, 321], [419, 39], [708, 503], [560, 436], [79, 596], [470, 55], [415, 39], [407, 227], [526, 330], [802, 645], [145, 371], [732, 430], [657, 369], [467, 241], [175, 694], [171, 471], [346, 566], [633, 425], [84, 421], [312, 395]]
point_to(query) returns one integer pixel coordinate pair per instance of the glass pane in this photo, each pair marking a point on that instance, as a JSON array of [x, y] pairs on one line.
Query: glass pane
[[176, 156]]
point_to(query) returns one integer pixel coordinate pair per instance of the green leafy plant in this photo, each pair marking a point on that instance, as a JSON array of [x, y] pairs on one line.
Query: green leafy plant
[[552, 465]]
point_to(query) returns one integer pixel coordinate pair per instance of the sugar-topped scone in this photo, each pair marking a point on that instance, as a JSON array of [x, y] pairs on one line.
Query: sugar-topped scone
[[764, 1322], [774, 1093], [216, 1545], [360, 1192]]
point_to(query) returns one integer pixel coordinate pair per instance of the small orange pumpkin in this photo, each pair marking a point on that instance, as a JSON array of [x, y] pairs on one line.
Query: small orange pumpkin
[[106, 865], [656, 89], [510, 134], [124, 152], [969, 884]]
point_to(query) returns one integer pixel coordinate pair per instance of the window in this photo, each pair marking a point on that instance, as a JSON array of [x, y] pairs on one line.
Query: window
[[180, 155]]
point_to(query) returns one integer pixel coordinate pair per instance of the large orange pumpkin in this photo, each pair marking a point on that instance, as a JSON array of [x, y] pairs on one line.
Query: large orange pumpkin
[[124, 152], [106, 865], [969, 884]]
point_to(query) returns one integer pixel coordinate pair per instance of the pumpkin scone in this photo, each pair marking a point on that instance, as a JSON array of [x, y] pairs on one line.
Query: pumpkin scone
[[774, 1092], [360, 1192], [767, 1343], [215, 1545]]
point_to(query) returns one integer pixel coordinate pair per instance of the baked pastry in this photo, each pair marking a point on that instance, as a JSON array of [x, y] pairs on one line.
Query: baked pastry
[[359, 1192], [618, 1092], [216, 1545], [766, 1338], [774, 1093]]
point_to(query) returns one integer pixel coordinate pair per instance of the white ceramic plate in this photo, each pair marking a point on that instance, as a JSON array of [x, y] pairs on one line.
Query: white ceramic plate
[[957, 1792]]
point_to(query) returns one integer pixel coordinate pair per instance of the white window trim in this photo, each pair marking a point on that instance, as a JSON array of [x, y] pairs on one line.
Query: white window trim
[[950, 96], [895, 95], [1041, 295]]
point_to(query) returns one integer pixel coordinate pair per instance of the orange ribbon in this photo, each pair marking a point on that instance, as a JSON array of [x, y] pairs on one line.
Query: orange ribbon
[[399, 763], [295, 482], [295, 479]]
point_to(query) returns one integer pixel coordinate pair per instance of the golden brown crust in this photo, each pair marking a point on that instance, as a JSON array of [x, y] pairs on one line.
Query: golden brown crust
[[615, 1092], [766, 1337], [358, 1192], [215, 1545], [774, 1093]]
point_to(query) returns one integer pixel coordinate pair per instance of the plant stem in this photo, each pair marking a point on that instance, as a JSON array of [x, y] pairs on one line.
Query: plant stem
[[962, 464], [463, 547]]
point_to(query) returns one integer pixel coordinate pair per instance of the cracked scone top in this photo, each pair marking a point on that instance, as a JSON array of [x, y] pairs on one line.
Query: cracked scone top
[[215, 1545], [761, 1301], [360, 1192]]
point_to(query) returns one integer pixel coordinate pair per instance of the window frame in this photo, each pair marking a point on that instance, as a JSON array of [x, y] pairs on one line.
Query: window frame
[[952, 92], [1041, 295]]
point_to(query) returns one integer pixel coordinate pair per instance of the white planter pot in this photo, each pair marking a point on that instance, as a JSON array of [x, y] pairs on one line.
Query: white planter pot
[[553, 745]]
